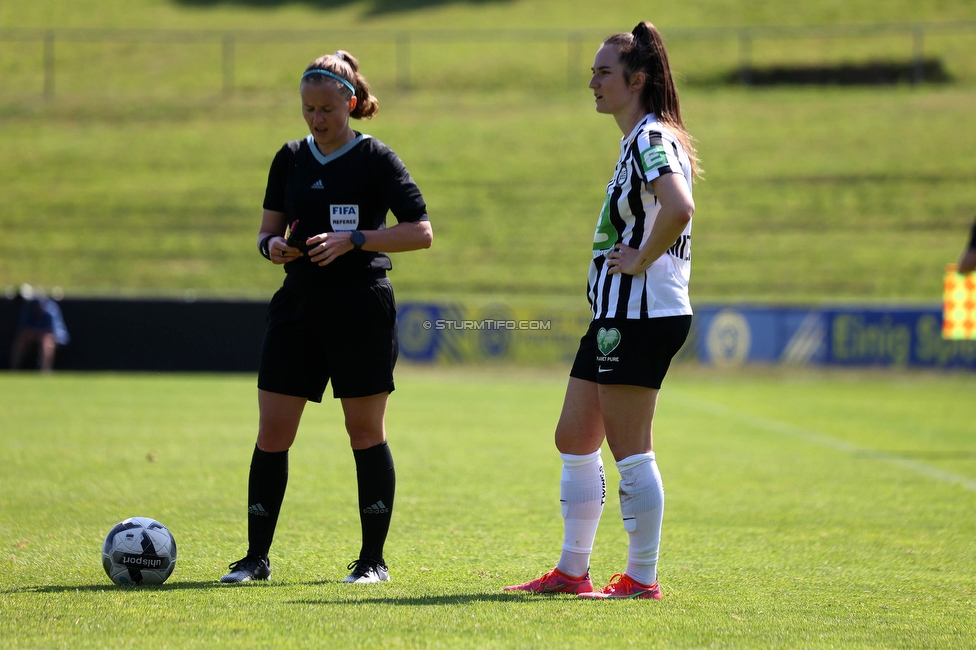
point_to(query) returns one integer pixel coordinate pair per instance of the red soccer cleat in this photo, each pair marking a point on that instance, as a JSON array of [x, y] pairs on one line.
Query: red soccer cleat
[[555, 582], [623, 586]]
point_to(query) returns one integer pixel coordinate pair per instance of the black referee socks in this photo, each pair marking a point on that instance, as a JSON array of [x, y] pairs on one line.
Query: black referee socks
[[377, 485], [269, 478], [265, 492]]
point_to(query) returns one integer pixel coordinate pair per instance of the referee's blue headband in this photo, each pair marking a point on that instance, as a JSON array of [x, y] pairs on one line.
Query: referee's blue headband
[[331, 76]]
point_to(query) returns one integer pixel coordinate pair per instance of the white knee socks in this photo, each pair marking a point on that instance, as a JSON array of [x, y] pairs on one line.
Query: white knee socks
[[642, 507], [583, 491]]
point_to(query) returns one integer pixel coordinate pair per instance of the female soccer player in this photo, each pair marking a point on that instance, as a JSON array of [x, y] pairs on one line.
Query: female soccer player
[[334, 316], [638, 292]]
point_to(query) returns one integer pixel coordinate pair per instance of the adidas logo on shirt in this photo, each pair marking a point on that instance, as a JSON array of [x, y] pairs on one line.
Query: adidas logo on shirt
[[257, 509], [377, 508], [317, 185]]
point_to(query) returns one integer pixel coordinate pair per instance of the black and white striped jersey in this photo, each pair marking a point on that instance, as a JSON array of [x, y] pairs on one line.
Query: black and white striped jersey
[[629, 210]]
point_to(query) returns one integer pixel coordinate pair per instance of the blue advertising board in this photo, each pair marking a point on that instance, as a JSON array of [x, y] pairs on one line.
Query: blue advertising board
[[844, 336], [460, 331], [189, 336]]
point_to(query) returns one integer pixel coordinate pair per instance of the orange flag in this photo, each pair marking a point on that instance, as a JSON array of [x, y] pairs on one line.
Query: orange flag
[[959, 305]]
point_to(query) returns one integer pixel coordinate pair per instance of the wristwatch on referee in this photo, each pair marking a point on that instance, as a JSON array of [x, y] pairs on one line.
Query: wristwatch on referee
[[358, 239]]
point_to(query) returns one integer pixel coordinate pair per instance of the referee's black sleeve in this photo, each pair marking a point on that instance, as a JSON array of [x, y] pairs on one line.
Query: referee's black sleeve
[[274, 193], [406, 201]]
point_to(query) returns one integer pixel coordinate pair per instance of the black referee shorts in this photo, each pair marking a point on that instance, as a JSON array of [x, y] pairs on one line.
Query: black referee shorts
[[630, 351], [347, 335]]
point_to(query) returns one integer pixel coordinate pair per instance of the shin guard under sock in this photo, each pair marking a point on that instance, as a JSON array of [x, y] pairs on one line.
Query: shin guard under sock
[[642, 507], [582, 493]]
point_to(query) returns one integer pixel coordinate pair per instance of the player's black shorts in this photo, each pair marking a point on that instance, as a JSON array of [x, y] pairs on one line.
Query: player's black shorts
[[630, 351], [347, 335]]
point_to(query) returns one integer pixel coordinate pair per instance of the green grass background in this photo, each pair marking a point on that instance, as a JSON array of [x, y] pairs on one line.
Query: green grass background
[[140, 177], [813, 509]]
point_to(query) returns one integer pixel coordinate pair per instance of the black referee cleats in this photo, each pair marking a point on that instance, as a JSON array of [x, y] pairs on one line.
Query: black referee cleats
[[252, 567], [367, 571]]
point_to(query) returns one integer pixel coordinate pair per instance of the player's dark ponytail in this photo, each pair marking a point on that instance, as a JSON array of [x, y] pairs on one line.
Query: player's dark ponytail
[[643, 51], [659, 95]]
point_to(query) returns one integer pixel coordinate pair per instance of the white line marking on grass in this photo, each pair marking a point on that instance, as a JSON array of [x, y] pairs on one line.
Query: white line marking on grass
[[813, 437]]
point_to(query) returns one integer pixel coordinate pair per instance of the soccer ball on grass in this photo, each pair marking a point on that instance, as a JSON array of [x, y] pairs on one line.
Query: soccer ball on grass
[[139, 551]]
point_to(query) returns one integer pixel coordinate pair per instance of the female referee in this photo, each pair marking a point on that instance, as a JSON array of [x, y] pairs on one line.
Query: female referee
[[638, 293], [334, 316]]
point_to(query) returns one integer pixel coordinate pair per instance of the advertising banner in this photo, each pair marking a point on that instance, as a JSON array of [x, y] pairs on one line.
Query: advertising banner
[[226, 336], [549, 331], [534, 332], [844, 336]]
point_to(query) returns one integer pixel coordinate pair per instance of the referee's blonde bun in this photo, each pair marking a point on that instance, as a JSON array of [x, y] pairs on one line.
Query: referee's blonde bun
[[345, 65]]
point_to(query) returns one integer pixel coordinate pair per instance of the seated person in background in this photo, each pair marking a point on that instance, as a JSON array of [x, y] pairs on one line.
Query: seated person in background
[[40, 323]]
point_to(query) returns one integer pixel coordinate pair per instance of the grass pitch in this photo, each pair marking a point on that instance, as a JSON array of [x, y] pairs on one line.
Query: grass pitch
[[804, 509]]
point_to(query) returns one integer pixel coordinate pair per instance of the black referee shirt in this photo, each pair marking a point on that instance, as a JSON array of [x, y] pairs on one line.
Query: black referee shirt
[[350, 189]]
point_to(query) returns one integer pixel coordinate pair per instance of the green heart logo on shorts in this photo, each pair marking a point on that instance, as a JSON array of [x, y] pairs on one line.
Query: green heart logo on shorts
[[607, 340]]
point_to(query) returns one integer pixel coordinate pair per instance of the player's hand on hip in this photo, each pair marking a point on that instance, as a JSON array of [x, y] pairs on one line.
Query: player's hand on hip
[[323, 249], [624, 259]]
